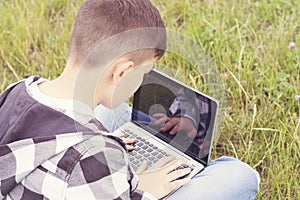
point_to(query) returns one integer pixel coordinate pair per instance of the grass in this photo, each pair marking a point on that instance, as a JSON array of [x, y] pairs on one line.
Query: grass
[[261, 123]]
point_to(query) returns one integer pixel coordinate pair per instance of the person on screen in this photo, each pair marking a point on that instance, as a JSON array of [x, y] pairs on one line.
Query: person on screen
[[189, 116]]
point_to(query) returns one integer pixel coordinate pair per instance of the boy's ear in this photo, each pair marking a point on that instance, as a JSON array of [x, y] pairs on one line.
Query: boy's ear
[[120, 69]]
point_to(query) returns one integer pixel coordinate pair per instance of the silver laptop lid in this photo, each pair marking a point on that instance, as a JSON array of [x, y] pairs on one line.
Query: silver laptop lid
[[177, 114]]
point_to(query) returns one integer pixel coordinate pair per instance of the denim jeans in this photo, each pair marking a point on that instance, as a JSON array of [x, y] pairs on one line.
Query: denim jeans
[[225, 178]]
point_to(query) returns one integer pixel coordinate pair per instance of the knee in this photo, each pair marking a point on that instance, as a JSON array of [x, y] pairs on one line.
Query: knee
[[241, 174]]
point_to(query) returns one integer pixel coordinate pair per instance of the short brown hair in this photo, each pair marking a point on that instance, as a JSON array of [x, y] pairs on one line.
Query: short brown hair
[[98, 20]]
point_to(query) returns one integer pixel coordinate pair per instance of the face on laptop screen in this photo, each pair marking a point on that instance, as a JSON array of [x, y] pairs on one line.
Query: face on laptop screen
[[176, 114]]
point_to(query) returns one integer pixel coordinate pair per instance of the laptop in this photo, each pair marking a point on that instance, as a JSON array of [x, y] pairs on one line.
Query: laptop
[[170, 118]]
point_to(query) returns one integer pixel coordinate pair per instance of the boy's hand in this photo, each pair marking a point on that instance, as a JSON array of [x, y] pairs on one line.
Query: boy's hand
[[161, 179], [128, 141]]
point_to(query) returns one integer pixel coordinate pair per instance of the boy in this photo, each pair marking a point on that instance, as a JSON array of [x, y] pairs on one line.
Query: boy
[[52, 147]]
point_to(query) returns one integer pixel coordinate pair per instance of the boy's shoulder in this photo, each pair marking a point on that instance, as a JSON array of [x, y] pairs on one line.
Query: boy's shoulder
[[23, 117]]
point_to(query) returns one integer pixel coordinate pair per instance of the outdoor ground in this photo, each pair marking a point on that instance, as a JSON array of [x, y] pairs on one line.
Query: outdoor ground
[[255, 46]]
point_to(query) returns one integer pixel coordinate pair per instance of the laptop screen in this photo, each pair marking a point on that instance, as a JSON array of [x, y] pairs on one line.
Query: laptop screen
[[177, 114]]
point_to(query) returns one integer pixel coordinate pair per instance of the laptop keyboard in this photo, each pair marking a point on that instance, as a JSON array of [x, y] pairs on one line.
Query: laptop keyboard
[[144, 150]]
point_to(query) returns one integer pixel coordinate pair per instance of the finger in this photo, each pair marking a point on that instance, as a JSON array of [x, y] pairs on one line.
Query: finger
[[119, 133], [128, 140], [178, 173], [178, 183], [142, 167], [129, 147], [171, 123], [175, 164], [158, 115], [162, 162], [160, 121], [174, 130]]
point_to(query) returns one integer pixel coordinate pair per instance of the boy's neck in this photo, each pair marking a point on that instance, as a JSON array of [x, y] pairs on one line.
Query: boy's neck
[[67, 87]]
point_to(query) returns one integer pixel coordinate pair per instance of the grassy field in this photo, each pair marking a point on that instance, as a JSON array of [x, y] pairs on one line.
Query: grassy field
[[251, 45]]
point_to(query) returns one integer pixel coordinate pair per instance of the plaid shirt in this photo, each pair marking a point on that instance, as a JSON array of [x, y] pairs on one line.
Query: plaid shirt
[[71, 165]]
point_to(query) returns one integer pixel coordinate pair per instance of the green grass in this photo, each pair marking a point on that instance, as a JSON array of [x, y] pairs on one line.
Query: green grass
[[261, 119]]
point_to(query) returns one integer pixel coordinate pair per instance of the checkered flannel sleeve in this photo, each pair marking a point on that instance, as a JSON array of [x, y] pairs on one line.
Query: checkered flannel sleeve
[[104, 174], [70, 166]]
